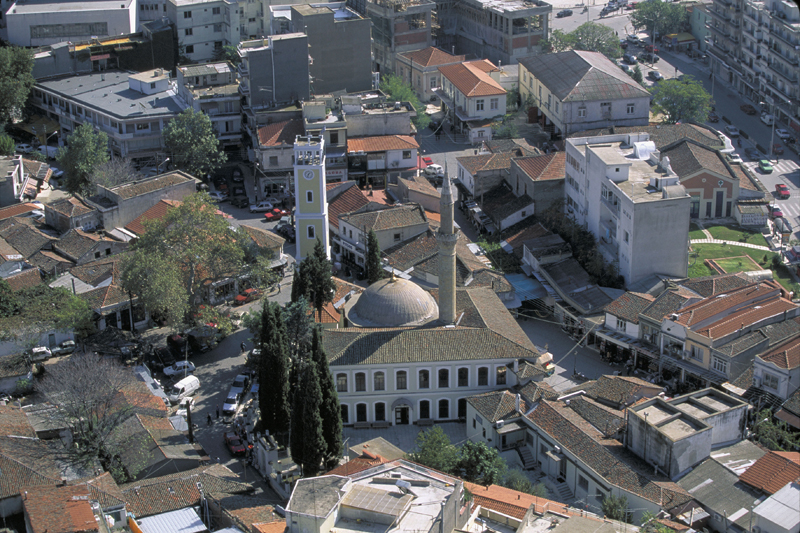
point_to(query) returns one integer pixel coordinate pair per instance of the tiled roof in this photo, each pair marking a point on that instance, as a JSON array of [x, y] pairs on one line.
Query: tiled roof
[[280, 133], [787, 355], [793, 404], [607, 420], [471, 78], [618, 391], [501, 202], [349, 200], [157, 212], [745, 317], [104, 297], [388, 218], [773, 471], [431, 57], [25, 238], [516, 146], [65, 509], [605, 456], [96, 272], [525, 234], [710, 285], [381, 143], [663, 134], [70, 207], [688, 157], [629, 305], [162, 494], [141, 399], [8, 252], [421, 185], [477, 163], [26, 279], [667, 303], [147, 441], [359, 464], [730, 301], [497, 405], [263, 238], [543, 167], [156, 183], [104, 490], [534, 391], [745, 180], [246, 510], [577, 75], [511, 502], [279, 526], [25, 463], [50, 262], [13, 421], [16, 210], [75, 243], [14, 365]]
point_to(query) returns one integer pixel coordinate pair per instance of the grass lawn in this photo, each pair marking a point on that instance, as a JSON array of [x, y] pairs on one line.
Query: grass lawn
[[722, 251], [695, 232], [737, 264], [736, 234]]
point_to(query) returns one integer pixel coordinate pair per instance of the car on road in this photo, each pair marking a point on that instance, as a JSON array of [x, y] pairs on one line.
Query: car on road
[[631, 5], [241, 384], [752, 154], [630, 59], [782, 134], [748, 109], [775, 212], [231, 403], [65, 348], [56, 172], [735, 158], [261, 207], [41, 353], [623, 44], [564, 13], [276, 214], [237, 176], [179, 369], [287, 232], [732, 130], [434, 171], [713, 117], [234, 444], [218, 196], [782, 191], [767, 119], [651, 48], [249, 295], [633, 39], [626, 69], [427, 160], [240, 201], [162, 358], [649, 57], [655, 75], [24, 148], [765, 166]]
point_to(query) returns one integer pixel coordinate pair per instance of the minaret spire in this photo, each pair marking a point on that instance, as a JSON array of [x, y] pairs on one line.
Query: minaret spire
[[447, 237]]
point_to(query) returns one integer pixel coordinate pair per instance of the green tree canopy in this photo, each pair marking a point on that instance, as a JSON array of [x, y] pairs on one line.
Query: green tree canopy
[[373, 265], [777, 437], [317, 276], [86, 152], [27, 314], [637, 75], [16, 80], [433, 449], [590, 37], [7, 145], [192, 145], [299, 324], [662, 17], [616, 508], [228, 53], [330, 411], [397, 90], [481, 464], [681, 100], [307, 440], [274, 400]]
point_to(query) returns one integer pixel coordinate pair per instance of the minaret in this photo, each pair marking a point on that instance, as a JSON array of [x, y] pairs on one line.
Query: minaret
[[447, 238]]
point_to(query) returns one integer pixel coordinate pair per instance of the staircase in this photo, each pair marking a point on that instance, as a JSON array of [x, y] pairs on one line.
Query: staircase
[[528, 462], [564, 494]]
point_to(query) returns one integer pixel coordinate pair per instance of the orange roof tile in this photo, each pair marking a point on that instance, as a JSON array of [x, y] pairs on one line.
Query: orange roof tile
[[381, 143], [773, 471], [511, 502], [746, 317], [279, 526], [471, 78], [65, 509], [348, 201], [16, 210], [359, 464], [786, 355], [25, 279], [156, 212], [280, 133], [543, 167], [431, 56], [709, 307]]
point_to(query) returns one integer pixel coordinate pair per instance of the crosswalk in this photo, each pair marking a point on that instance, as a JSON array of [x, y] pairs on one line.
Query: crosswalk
[[784, 166], [790, 208]]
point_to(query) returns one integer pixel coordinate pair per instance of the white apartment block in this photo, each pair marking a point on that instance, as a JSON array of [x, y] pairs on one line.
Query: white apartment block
[[212, 88], [618, 188], [204, 27]]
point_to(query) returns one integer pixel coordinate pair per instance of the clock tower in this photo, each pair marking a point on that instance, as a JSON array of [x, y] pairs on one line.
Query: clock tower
[[311, 200]]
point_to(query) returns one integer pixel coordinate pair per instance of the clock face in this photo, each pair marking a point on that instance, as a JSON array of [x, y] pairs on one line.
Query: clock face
[[308, 174]]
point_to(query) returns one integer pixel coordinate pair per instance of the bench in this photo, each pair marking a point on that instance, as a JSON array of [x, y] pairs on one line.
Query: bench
[[381, 425], [361, 425], [425, 422]]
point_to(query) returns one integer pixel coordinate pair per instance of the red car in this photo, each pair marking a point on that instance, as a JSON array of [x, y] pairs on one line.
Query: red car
[[748, 109], [249, 295], [234, 444], [713, 117], [775, 212], [276, 214], [427, 160], [651, 48], [782, 190]]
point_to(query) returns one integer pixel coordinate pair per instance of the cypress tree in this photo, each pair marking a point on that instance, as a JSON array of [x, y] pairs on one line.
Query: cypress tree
[[281, 384], [308, 444], [317, 276], [274, 370], [299, 286], [373, 264], [329, 410], [265, 393]]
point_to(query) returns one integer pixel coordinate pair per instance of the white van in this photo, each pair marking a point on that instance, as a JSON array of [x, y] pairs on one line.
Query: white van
[[184, 388], [767, 119]]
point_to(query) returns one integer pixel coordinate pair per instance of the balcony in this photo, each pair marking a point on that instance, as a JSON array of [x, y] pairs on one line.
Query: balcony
[[782, 91], [609, 247], [790, 43], [612, 206], [788, 56], [720, 14]]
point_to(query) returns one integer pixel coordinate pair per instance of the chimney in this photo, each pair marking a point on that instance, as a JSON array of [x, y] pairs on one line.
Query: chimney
[[517, 402]]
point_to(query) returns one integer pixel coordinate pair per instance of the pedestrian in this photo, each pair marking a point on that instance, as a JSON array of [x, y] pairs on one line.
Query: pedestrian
[[209, 419], [243, 346], [218, 412]]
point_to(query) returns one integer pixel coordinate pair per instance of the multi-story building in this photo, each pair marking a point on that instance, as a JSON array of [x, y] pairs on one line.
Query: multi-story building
[[471, 97], [619, 189], [372, 160], [12, 180], [420, 69], [212, 89], [132, 109], [204, 27], [699, 21], [274, 156]]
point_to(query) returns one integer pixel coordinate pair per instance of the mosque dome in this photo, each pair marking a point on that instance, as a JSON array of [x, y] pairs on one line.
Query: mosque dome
[[393, 302]]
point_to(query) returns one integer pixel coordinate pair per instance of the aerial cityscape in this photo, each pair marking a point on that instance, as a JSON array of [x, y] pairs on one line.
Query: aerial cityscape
[[400, 266]]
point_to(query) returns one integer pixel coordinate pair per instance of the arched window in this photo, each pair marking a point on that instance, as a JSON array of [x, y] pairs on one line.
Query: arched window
[[361, 412], [380, 381], [361, 382], [462, 408], [424, 409], [444, 409], [341, 382], [345, 414], [444, 378], [380, 412], [463, 377], [424, 379], [483, 376], [402, 380]]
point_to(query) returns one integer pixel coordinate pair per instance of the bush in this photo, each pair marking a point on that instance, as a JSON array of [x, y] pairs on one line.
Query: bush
[[7, 145]]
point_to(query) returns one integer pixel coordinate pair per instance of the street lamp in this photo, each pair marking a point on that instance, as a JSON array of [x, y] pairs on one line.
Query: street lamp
[[158, 167]]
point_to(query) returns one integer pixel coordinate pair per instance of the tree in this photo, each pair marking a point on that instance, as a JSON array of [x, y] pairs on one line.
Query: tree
[[650, 524], [681, 100], [558, 42], [274, 369], [433, 449], [16, 80], [228, 53], [299, 323], [9, 303], [181, 253], [659, 18], [637, 75], [7, 145], [516, 479], [330, 411], [317, 275], [616, 508], [776, 437], [87, 389], [481, 464], [31, 312], [87, 150], [114, 172], [589, 37], [397, 90], [373, 265], [192, 145], [299, 286], [307, 441]]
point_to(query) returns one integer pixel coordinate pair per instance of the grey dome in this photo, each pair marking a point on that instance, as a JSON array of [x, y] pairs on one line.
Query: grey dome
[[391, 303]]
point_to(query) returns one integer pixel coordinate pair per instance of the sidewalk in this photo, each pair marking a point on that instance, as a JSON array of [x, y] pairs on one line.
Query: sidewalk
[[742, 244]]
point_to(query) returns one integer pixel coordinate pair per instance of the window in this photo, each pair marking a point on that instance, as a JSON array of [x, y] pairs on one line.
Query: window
[[549, 100], [631, 108], [273, 160], [501, 376], [444, 378], [97, 255], [334, 136], [311, 233], [444, 409], [424, 409], [215, 11], [720, 365], [187, 14], [771, 381], [478, 105], [188, 31], [556, 106], [463, 377], [697, 353], [627, 237], [190, 49], [140, 127], [361, 412], [540, 92], [494, 103], [361, 382], [433, 82], [424, 379], [406, 154], [345, 413], [581, 112], [583, 482], [397, 237], [380, 412], [620, 324], [605, 109], [483, 376], [402, 380], [462, 408], [309, 196], [379, 381], [341, 382]]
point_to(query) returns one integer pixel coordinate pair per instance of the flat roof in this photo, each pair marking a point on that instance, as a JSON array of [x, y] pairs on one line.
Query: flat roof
[[28, 7], [108, 92]]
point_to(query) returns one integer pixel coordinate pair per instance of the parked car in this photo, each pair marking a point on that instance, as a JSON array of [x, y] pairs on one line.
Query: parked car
[[249, 295], [735, 158], [261, 207], [732, 130], [427, 160], [162, 358], [765, 166], [241, 384], [240, 201], [564, 13], [752, 154], [782, 134], [623, 44], [655, 75], [237, 176], [234, 444], [434, 171], [56, 172], [651, 48], [65, 348], [24, 148], [633, 39], [631, 5], [767, 119], [775, 211], [275, 214], [40, 353], [287, 232], [783, 191], [748, 109], [630, 59], [231, 403], [649, 57], [48, 151], [777, 149], [179, 369], [626, 68], [713, 117], [218, 196]]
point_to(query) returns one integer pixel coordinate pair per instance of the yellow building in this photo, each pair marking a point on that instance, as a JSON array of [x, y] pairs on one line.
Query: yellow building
[[311, 203]]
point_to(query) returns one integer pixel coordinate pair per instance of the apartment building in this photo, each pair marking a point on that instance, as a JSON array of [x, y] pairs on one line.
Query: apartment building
[[203, 27], [621, 191], [755, 47], [471, 97], [212, 89], [420, 69]]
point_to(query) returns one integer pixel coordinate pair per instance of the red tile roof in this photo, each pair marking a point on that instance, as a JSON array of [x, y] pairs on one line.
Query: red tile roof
[[786, 355], [359, 464], [25, 279], [431, 56], [511, 502], [270, 527], [280, 133], [746, 317], [64, 509], [543, 167], [348, 201], [156, 212], [629, 305], [471, 78], [773, 471], [713, 306], [381, 143], [16, 210], [13, 421]]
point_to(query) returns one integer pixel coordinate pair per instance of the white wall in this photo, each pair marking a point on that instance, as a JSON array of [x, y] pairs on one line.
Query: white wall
[[119, 22]]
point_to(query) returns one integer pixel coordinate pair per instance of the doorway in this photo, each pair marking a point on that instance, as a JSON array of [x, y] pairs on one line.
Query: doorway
[[401, 416]]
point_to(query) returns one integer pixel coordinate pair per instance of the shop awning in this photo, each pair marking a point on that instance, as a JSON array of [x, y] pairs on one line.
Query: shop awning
[[526, 288], [680, 38]]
